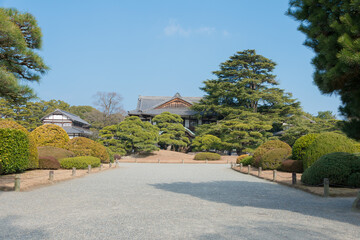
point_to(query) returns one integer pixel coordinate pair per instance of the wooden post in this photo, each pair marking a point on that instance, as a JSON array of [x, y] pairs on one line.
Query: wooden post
[[293, 178], [249, 166], [259, 171], [241, 166], [274, 175], [17, 183], [326, 187], [89, 169], [101, 167], [73, 171], [116, 163], [356, 204], [158, 160], [51, 175]]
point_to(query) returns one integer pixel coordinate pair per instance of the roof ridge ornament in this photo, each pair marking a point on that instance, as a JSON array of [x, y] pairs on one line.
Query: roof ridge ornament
[[177, 95]]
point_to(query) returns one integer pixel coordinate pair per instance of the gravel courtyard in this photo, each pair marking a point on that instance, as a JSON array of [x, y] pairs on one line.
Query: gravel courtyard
[[174, 201]]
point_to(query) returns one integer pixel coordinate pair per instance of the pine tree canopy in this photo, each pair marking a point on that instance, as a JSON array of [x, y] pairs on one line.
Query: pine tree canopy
[[332, 29], [20, 36]]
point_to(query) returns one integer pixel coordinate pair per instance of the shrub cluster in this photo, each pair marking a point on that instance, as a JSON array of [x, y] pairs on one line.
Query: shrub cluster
[[14, 150], [57, 153], [48, 162], [79, 162], [241, 157], [327, 143], [273, 159], [50, 135], [207, 156], [301, 144], [82, 146], [249, 160], [340, 168], [292, 166], [263, 149], [33, 152]]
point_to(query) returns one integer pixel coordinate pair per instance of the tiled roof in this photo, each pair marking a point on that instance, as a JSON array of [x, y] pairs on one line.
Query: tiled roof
[[73, 117]]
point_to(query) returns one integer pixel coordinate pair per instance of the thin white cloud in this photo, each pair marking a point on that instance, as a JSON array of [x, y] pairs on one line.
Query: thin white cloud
[[175, 29]]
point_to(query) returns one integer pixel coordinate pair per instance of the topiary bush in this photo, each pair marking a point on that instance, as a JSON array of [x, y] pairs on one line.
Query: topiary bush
[[338, 167], [267, 146], [241, 157], [50, 135], [33, 152], [14, 150], [48, 162], [86, 147], [273, 159], [292, 166], [79, 162], [247, 160], [54, 152], [301, 144], [327, 143], [207, 156]]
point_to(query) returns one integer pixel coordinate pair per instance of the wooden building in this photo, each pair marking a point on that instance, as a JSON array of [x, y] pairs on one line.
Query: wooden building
[[150, 106], [71, 123]]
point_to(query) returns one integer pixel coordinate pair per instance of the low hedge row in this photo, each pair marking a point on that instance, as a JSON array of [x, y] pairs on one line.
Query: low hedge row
[[79, 162], [48, 162], [207, 156]]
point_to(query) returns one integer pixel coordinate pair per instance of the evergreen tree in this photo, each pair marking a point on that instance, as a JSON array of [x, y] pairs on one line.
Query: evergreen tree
[[20, 37], [332, 29], [172, 132]]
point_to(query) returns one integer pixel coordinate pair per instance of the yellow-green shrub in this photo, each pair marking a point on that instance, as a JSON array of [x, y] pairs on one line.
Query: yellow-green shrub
[[268, 146], [33, 152], [86, 147], [301, 144], [241, 157], [50, 135], [14, 150], [207, 156], [54, 152], [79, 162]]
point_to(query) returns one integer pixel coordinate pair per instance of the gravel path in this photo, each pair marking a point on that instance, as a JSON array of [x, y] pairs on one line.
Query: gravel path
[[174, 201]]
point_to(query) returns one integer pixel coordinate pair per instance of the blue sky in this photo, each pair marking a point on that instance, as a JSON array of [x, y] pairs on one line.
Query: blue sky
[[158, 48]]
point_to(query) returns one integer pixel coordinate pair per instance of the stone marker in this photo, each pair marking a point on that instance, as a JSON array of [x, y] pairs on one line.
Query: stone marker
[[293, 178], [249, 166], [241, 166], [109, 164], [51, 175], [17, 183], [356, 204], [73, 171], [274, 175], [326, 187], [259, 171], [158, 160], [89, 169]]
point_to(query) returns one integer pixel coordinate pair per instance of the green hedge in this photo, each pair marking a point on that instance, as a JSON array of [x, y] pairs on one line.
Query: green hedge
[[339, 167], [267, 146], [48, 162], [207, 156], [14, 150], [273, 159], [79, 162], [327, 143], [301, 144], [247, 160]]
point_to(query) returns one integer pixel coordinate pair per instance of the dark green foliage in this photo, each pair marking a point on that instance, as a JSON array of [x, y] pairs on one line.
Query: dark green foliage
[[20, 39], [332, 29], [249, 160], [354, 180], [337, 167], [207, 156], [130, 136], [327, 143], [57, 153], [292, 166], [48, 162], [79, 162], [273, 159], [267, 146], [14, 150], [300, 145], [172, 131], [111, 154]]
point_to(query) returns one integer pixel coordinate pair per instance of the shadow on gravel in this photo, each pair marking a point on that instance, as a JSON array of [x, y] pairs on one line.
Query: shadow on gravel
[[9, 230], [268, 196]]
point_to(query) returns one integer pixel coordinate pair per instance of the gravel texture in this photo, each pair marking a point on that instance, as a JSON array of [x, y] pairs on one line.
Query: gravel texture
[[174, 201]]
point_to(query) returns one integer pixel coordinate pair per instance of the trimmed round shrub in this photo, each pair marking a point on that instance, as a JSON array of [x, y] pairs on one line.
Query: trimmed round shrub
[[292, 166], [207, 156], [327, 143], [86, 147], [301, 144], [14, 150], [33, 152], [337, 167], [273, 159], [241, 157], [48, 162], [267, 146], [247, 160], [54, 152], [79, 162], [50, 135]]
